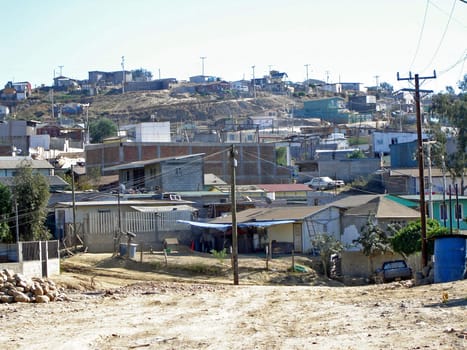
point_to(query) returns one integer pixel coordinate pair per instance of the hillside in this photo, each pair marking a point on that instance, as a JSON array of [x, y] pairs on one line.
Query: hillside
[[164, 105]]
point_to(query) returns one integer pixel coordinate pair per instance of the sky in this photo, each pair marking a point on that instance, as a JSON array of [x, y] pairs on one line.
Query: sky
[[366, 41]]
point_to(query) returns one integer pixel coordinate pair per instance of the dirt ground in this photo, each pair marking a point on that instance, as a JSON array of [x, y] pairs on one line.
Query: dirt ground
[[191, 303]]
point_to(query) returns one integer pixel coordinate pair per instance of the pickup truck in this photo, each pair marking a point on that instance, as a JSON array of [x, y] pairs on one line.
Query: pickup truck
[[394, 270]]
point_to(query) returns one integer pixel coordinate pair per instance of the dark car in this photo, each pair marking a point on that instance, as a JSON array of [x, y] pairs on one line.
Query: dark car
[[394, 270]]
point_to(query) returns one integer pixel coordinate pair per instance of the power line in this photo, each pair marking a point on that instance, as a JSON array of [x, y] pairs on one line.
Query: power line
[[420, 35], [442, 37]]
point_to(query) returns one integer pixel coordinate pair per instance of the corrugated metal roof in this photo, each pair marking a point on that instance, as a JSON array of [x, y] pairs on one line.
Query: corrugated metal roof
[[143, 163], [122, 202], [268, 214]]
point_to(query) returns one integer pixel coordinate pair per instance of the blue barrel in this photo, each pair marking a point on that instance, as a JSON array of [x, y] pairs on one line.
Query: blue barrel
[[123, 248], [450, 258]]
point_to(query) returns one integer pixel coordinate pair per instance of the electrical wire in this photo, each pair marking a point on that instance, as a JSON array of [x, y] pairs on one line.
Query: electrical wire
[[420, 35], [462, 60], [442, 37]]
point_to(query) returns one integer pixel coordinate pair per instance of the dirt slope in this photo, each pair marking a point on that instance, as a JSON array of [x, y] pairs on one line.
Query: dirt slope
[[129, 305]]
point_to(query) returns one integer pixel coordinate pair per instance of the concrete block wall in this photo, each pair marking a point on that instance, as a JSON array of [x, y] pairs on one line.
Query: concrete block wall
[[256, 162]]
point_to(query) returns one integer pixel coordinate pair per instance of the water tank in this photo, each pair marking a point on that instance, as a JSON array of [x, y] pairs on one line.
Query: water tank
[[449, 258]]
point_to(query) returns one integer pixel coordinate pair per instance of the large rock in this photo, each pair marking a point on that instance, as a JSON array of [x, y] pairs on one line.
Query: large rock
[[21, 298], [18, 288], [42, 299]]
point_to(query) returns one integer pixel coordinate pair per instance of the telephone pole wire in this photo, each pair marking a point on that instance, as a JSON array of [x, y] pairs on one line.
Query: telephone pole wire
[[421, 160]]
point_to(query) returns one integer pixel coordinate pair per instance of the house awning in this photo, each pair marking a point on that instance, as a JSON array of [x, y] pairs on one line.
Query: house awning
[[226, 226]]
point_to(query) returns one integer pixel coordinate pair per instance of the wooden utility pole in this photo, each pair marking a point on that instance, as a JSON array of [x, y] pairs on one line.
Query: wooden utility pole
[[233, 197], [74, 205], [421, 160]]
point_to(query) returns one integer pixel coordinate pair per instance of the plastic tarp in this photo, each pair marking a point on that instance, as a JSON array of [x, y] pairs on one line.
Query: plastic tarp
[[226, 226]]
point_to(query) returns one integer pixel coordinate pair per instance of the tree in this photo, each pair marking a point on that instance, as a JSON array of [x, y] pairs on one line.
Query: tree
[[373, 240], [450, 90], [387, 87], [281, 156], [327, 245], [357, 154], [5, 210], [462, 84], [408, 240], [102, 128], [454, 108], [31, 191], [141, 74]]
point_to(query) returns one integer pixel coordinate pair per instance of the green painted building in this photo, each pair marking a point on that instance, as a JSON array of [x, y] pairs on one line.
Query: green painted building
[[445, 211]]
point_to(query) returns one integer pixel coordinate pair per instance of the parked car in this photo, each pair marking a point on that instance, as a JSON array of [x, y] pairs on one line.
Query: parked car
[[394, 270], [339, 183], [324, 183]]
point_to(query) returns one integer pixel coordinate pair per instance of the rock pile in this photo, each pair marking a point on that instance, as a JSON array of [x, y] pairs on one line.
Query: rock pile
[[14, 287]]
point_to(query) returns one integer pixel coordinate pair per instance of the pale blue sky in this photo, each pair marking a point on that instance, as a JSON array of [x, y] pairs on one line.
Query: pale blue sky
[[346, 40]]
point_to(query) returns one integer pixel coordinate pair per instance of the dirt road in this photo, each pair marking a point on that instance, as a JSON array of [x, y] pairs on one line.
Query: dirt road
[[160, 314]]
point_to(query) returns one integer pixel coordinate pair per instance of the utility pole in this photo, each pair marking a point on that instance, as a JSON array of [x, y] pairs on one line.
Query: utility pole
[[430, 178], [254, 83], [123, 74], [202, 65], [234, 215], [445, 213], [17, 221], [376, 81], [420, 161], [306, 66], [74, 203], [307, 86]]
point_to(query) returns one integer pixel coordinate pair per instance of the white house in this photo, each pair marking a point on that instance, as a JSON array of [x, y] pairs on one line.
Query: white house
[[380, 141], [148, 132]]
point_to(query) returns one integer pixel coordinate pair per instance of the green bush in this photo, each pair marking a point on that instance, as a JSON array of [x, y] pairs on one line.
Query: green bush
[[221, 254]]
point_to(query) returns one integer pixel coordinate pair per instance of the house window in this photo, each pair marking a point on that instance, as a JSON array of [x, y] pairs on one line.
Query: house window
[[178, 172], [231, 137], [458, 212], [443, 213], [394, 141]]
